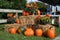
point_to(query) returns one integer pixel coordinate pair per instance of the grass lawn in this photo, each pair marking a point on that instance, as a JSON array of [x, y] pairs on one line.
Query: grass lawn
[[7, 36]]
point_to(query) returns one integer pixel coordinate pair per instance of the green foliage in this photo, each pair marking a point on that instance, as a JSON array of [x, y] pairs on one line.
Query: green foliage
[[43, 20], [11, 20], [13, 4]]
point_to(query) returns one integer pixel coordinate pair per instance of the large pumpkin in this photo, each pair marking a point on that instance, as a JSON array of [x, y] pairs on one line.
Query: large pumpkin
[[50, 33], [12, 30], [9, 15], [38, 32], [29, 32]]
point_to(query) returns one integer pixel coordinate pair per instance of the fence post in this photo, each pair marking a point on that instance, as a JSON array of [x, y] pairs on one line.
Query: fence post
[[59, 21], [16, 14]]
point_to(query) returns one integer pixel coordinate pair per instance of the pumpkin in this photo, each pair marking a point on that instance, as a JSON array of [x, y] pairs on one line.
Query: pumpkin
[[24, 13], [14, 16], [38, 12], [50, 33], [38, 32], [17, 21], [9, 15], [29, 32], [12, 30]]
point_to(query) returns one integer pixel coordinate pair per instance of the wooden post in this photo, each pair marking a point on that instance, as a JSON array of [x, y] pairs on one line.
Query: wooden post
[[59, 21], [16, 14]]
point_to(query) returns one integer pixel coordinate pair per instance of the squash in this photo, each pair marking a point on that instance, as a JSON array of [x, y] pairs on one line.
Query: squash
[[50, 33], [28, 32], [38, 32], [12, 30]]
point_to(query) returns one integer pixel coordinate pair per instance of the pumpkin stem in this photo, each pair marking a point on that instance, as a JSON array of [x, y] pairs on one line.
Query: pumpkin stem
[[51, 27]]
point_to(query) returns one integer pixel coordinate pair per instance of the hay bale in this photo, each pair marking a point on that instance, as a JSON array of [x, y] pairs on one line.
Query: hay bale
[[7, 26], [25, 20], [46, 27]]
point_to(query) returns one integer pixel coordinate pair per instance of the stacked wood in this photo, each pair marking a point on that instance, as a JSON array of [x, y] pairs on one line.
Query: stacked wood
[[7, 26]]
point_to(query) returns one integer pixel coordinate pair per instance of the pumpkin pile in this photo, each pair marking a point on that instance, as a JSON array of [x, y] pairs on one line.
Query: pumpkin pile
[[28, 31]]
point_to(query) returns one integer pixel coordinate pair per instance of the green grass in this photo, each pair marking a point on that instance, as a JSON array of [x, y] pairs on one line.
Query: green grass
[[7, 36]]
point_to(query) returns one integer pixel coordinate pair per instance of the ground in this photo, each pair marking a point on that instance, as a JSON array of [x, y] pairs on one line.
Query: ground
[[7, 36]]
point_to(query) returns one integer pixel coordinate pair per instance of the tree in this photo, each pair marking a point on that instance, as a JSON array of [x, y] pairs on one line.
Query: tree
[[42, 7], [12, 4]]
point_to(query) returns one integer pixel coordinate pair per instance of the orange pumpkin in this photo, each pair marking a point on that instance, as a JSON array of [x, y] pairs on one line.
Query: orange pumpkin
[[12, 30], [9, 15], [38, 12], [29, 32], [24, 13], [50, 33], [38, 32], [17, 21], [14, 16]]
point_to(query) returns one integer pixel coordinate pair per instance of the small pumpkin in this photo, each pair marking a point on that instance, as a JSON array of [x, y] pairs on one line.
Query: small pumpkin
[[50, 33], [17, 21], [14, 16], [12, 30], [38, 12], [24, 13], [9, 15], [29, 32], [38, 32]]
